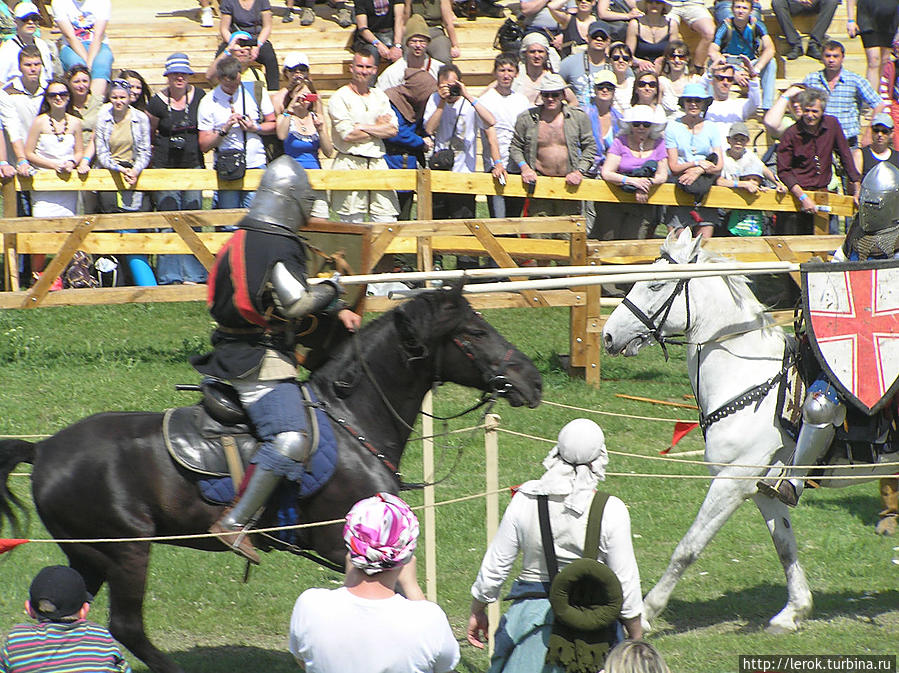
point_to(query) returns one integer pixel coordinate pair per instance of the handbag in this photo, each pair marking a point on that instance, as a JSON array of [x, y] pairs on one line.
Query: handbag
[[586, 597], [444, 159], [231, 165]]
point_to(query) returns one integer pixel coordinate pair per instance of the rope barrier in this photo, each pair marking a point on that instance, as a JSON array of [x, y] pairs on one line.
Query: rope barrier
[[610, 413]]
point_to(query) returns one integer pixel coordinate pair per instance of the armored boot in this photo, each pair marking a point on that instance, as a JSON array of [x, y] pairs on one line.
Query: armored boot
[[230, 528], [889, 516], [820, 413]]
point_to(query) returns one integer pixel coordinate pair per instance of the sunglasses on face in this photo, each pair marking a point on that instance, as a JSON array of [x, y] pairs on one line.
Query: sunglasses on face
[[689, 101], [724, 78], [31, 18], [880, 129], [599, 36], [551, 94], [650, 83], [58, 94], [298, 68], [620, 57], [605, 87], [641, 125], [678, 57]]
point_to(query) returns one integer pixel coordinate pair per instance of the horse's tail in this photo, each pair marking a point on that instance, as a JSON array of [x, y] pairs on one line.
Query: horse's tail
[[12, 452]]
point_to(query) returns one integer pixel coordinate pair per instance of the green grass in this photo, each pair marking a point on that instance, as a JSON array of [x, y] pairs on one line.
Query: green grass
[[58, 365]]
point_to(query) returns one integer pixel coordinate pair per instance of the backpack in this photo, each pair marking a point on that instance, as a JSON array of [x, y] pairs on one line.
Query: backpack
[[756, 35], [508, 37]]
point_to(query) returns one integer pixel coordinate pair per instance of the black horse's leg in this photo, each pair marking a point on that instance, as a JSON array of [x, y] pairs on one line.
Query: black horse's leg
[[89, 562], [127, 582]]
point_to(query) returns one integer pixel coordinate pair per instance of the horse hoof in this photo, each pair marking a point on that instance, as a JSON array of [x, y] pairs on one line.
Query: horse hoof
[[778, 629]]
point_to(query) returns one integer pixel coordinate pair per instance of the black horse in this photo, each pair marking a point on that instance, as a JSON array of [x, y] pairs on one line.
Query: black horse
[[110, 475]]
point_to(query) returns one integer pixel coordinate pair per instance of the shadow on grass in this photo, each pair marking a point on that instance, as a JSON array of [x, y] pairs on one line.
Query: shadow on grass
[[863, 507], [759, 604], [234, 658]]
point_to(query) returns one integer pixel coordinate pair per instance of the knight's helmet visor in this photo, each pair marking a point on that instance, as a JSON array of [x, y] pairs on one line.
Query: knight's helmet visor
[[879, 199], [284, 197]]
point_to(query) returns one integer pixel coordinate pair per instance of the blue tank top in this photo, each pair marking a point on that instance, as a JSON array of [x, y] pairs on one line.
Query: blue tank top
[[303, 148]]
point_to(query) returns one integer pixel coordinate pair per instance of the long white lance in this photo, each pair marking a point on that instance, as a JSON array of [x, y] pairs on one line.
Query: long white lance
[[629, 272]]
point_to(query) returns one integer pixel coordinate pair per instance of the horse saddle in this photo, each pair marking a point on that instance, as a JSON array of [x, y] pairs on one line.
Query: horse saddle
[[215, 441]]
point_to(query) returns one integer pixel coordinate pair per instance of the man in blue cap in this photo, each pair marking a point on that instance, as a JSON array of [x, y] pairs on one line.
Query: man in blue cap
[[577, 70]]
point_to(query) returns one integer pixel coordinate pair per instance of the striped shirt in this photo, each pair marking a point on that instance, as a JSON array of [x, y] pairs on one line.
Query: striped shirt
[[845, 98], [57, 647]]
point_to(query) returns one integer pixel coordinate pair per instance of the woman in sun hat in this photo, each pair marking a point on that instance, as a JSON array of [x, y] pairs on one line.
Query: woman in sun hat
[[173, 118], [695, 159], [637, 162]]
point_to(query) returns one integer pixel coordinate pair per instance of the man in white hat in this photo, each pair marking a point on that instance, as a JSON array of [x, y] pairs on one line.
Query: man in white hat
[[552, 139]]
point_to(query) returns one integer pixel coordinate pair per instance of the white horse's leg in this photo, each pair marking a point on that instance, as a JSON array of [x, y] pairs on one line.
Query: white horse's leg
[[799, 601], [721, 501]]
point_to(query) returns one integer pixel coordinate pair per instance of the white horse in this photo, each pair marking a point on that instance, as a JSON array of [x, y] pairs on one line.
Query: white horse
[[735, 358]]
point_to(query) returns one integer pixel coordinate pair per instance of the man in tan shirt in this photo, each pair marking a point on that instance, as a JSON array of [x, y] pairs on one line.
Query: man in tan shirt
[[361, 117]]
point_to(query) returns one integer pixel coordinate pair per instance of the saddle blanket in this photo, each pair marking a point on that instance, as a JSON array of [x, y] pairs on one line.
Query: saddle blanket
[[194, 439]]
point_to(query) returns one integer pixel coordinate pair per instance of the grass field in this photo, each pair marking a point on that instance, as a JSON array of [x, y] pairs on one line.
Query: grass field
[[58, 365]]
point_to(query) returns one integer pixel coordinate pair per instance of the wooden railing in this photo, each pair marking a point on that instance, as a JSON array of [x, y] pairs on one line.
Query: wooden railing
[[498, 239]]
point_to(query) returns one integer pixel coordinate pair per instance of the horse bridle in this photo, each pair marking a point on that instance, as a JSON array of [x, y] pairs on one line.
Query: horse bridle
[[653, 323]]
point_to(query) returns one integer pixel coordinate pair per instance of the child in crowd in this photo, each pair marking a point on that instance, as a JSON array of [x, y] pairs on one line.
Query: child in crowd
[[61, 640], [743, 170]]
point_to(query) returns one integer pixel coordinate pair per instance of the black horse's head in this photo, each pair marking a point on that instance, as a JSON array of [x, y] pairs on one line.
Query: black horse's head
[[441, 328]]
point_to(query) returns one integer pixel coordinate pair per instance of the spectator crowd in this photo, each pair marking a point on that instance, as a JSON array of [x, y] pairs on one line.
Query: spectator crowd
[[606, 90]]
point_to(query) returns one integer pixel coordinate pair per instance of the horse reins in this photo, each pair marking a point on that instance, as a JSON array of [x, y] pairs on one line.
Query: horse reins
[[655, 328]]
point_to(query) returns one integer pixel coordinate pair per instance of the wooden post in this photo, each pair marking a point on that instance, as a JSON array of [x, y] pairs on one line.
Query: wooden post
[[578, 314], [10, 258], [427, 466], [491, 477], [425, 196]]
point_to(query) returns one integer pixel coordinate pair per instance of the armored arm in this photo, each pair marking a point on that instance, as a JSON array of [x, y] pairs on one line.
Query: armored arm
[[295, 298]]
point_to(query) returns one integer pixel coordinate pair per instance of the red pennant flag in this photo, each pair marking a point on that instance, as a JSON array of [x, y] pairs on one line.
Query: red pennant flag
[[681, 430], [7, 544]]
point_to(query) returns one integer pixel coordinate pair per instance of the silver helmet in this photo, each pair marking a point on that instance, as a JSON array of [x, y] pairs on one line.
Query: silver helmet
[[284, 197], [879, 199]]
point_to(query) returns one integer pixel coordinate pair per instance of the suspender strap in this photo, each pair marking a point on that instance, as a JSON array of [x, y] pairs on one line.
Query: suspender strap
[[594, 525], [546, 535]]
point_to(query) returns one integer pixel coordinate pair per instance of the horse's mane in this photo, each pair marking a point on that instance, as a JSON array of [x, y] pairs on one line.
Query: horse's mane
[[382, 334], [737, 284]]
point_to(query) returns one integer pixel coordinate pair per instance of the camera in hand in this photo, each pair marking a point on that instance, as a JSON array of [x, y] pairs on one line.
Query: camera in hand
[[455, 89]]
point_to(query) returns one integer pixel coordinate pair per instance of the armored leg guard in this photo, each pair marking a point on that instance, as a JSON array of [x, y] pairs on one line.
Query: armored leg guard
[[889, 515], [231, 527], [820, 413]]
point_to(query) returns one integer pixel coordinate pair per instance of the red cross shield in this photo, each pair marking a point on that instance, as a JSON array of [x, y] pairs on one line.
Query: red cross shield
[[852, 313]]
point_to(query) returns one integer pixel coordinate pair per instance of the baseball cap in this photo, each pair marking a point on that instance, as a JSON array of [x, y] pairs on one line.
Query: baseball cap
[[296, 58], [604, 77], [24, 9], [57, 592], [738, 129], [882, 119], [551, 82], [239, 35], [599, 26]]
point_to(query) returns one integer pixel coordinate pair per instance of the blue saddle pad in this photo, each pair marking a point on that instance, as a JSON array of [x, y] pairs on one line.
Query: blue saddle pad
[[319, 469]]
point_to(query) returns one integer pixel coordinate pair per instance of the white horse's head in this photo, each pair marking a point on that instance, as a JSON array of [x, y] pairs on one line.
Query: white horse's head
[[653, 309]]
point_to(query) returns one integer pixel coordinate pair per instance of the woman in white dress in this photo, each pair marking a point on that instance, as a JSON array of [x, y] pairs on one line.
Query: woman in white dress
[[55, 143]]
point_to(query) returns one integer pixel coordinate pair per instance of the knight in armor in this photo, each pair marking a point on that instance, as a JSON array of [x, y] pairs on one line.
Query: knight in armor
[[257, 292], [874, 235]]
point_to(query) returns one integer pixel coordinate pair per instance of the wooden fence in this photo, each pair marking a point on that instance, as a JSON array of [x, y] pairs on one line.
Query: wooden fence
[[498, 239]]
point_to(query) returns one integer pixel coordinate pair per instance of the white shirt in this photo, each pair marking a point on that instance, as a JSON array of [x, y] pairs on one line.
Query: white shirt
[[505, 110], [735, 109], [346, 108], [464, 140], [519, 531], [395, 73], [213, 113], [83, 15], [9, 61], [333, 631], [17, 112], [748, 164]]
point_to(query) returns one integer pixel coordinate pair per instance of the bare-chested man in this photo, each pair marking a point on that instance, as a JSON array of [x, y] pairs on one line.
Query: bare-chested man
[[552, 139]]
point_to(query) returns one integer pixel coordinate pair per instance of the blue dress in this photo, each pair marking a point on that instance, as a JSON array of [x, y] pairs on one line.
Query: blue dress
[[303, 148]]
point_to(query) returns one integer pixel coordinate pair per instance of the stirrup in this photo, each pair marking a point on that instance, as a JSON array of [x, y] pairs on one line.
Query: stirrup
[[779, 489], [237, 541]]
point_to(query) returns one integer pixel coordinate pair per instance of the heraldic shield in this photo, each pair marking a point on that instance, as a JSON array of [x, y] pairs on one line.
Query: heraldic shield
[[852, 313]]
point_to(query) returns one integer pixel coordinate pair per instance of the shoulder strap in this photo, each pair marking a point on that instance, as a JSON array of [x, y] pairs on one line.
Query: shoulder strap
[[546, 535], [594, 525]]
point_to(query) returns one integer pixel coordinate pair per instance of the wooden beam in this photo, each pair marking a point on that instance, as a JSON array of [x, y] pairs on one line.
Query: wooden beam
[[57, 265], [181, 223], [501, 257]]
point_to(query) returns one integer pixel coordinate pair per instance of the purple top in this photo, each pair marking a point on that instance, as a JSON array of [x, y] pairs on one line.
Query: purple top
[[629, 162]]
